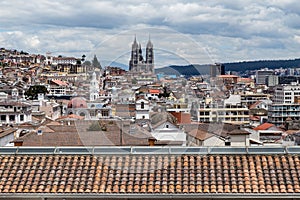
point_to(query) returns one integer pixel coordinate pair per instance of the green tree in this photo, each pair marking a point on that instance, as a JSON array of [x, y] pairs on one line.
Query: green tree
[[83, 58], [87, 63], [96, 126], [134, 81], [166, 92], [96, 63], [34, 90]]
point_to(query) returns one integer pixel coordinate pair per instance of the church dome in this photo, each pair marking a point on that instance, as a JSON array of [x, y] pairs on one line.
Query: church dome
[[77, 102]]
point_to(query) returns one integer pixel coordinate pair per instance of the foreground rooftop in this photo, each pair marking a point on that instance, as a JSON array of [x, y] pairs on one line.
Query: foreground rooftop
[[149, 172]]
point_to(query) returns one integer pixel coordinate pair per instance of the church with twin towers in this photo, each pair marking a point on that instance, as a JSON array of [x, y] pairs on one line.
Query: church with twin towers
[[137, 63]]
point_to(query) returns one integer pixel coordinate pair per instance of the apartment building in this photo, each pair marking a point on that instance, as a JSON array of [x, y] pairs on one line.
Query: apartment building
[[286, 104], [231, 111], [285, 94]]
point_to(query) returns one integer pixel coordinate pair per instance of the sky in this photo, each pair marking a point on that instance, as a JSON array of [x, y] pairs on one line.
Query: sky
[[182, 32]]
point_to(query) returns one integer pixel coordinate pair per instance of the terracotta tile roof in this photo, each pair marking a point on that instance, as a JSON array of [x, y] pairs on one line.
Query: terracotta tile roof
[[69, 117], [205, 130], [159, 118], [77, 135], [7, 131], [59, 82], [239, 132], [150, 174], [154, 91], [228, 76], [264, 126], [253, 106], [200, 134]]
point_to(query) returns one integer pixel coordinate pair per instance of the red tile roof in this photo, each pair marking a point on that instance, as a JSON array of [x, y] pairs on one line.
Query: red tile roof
[[253, 106], [71, 116], [154, 91], [59, 82], [77, 134], [264, 126], [228, 76], [143, 174]]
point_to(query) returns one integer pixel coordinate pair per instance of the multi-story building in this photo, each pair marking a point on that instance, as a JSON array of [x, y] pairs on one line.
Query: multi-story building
[[231, 111], [279, 113], [286, 94], [249, 98], [12, 112], [217, 69], [272, 80], [285, 105], [262, 74]]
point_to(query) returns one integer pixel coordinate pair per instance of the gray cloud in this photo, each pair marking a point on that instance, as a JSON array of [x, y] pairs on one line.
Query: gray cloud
[[194, 31]]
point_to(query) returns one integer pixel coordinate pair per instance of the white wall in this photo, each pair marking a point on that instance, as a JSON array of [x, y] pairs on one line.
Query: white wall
[[169, 132], [213, 141]]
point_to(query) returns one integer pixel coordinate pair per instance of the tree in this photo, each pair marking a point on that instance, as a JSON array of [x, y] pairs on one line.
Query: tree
[[83, 58], [34, 90], [97, 126], [134, 81], [87, 63], [96, 63], [166, 92]]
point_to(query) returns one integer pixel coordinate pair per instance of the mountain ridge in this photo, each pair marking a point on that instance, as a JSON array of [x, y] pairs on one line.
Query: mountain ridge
[[243, 66]]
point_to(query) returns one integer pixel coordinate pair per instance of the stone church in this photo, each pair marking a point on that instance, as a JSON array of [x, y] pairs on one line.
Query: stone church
[[137, 63]]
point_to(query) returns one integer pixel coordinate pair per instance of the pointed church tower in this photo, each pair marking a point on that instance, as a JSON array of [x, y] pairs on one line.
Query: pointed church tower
[[149, 52], [150, 56], [134, 54], [94, 88]]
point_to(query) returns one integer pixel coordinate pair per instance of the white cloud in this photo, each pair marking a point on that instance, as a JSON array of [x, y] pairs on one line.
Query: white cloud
[[182, 31]]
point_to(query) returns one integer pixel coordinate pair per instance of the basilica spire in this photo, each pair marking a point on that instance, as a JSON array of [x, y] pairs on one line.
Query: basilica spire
[[149, 44], [134, 44]]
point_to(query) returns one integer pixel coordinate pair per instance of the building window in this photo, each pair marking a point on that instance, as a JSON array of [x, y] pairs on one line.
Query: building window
[[142, 105], [167, 125], [12, 117], [105, 113], [21, 118], [3, 117]]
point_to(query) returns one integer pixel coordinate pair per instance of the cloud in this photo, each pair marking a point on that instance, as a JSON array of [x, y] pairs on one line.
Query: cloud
[[181, 30]]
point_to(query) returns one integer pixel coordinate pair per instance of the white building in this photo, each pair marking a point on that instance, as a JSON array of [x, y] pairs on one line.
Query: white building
[[286, 94], [169, 132], [232, 111], [7, 134], [3, 95], [278, 113], [142, 108], [285, 104], [94, 88], [14, 112], [64, 60]]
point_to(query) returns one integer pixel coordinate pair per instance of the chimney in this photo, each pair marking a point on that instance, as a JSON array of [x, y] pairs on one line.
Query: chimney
[[18, 143], [151, 141]]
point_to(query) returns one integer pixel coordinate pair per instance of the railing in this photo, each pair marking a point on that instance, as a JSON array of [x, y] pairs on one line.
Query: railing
[[147, 150]]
